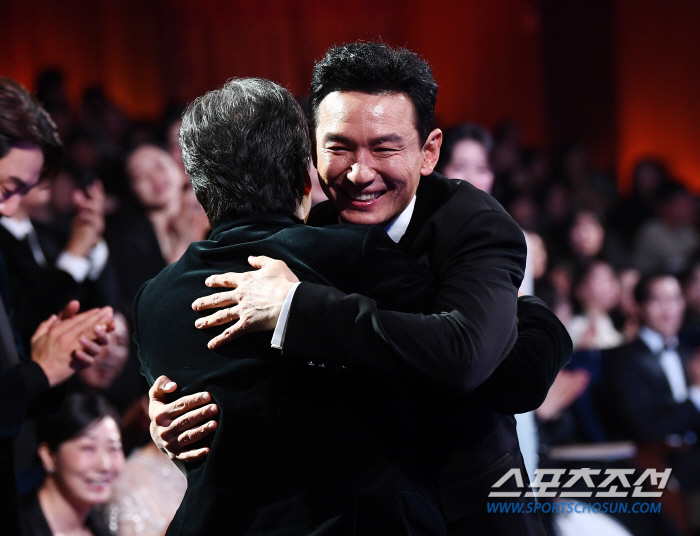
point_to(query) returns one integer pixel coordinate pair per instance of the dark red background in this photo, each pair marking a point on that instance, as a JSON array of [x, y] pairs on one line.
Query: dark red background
[[620, 76]]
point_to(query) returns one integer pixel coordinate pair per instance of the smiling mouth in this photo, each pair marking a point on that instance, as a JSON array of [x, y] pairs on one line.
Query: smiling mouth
[[365, 196], [99, 482]]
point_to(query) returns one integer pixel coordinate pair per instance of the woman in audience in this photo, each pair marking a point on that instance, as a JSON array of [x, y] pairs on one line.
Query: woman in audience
[[81, 451], [597, 291]]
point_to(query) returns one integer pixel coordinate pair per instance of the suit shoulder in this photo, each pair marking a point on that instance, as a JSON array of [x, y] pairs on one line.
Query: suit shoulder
[[457, 200]]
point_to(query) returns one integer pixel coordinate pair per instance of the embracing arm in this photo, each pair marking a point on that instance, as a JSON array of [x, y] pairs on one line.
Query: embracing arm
[[470, 331], [542, 349]]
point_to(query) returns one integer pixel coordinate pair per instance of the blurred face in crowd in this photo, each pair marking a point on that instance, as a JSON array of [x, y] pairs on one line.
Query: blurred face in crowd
[[663, 310], [586, 235], [692, 289], [110, 361], [537, 253], [469, 162], [369, 155], [679, 210], [600, 289], [85, 468], [154, 177], [20, 170]]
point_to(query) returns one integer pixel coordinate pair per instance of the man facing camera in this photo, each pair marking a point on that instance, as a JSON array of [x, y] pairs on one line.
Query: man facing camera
[[651, 385], [30, 151], [301, 448], [372, 113]]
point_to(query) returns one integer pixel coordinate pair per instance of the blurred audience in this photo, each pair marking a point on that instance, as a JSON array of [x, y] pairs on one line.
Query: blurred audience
[[597, 291], [146, 495], [81, 452], [652, 384]]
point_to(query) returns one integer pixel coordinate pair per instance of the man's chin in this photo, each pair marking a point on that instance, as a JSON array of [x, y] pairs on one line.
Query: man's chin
[[358, 217]]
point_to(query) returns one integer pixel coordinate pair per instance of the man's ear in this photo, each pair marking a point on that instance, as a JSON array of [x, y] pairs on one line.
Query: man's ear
[[48, 460], [307, 181], [431, 152]]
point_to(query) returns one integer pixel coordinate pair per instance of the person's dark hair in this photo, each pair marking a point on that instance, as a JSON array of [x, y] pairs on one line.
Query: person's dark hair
[[463, 131], [79, 412], [669, 190], [246, 149], [643, 289], [24, 121], [376, 68]]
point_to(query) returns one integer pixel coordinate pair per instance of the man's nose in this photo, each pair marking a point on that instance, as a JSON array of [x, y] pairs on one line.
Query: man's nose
[[361, 173]]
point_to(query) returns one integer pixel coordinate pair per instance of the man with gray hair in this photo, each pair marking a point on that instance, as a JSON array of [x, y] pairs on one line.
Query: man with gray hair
[[299, 449]]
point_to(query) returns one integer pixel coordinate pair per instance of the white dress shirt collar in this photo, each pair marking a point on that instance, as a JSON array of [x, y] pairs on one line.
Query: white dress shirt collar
[[397, 227], [17, 228], [655, 341]]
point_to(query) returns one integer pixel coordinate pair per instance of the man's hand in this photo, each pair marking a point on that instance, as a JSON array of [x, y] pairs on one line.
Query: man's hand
[[255, 304], [89, 220], [567, 387], [66, 343], [175, 427]]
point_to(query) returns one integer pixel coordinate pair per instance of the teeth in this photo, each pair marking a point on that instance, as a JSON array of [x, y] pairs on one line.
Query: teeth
[[367, 196]]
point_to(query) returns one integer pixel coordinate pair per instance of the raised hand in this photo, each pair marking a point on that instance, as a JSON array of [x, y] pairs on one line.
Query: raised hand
[[64, 344]]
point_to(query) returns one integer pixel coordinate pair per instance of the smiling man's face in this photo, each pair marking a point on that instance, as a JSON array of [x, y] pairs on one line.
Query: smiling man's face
[[20, 170], [369, 155]]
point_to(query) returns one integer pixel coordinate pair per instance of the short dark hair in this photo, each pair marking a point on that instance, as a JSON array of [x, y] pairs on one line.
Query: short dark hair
[[23, 120], [78, 412], [463, 131], [246, 149], [642, 291], [376, 68]]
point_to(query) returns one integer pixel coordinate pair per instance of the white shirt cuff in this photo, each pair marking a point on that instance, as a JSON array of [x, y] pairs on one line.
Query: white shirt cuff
[[77, 267], [98, 259], [281, 327], [694, 395]]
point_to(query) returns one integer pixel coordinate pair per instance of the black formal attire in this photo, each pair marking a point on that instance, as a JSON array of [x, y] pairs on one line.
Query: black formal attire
[[302, 447], [477, 253], [34, 522], [637, 402], [38, 291], [23, 390], [638, 398]]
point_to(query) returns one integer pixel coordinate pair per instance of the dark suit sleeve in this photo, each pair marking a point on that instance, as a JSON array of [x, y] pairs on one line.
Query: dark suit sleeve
[[636, 397], [542, 349], [470, 331], [20, 388]]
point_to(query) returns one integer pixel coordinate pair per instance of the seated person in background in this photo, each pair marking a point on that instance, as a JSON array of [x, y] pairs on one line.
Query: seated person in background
[[81, 451], [597, 291], [464, 155], [668, 241], [30, 151], [651, 386], [46, 273]]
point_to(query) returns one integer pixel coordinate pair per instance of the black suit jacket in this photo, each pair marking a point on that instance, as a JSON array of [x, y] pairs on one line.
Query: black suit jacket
[[40, 291], [302, 447], [477, 252], [22, 390], [636, 398]]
